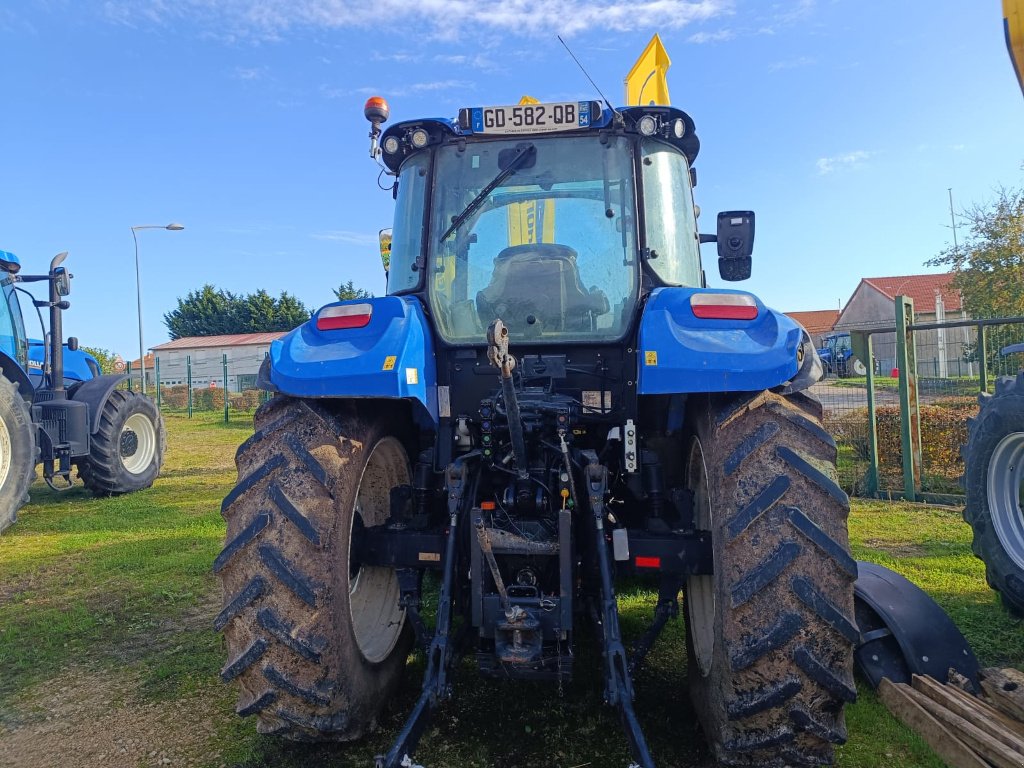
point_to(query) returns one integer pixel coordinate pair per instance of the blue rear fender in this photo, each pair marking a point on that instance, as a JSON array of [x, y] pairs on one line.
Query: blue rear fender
[[679, 352], [391, 357]]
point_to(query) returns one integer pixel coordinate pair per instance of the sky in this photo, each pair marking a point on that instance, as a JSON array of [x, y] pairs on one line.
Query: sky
[[841, 123]]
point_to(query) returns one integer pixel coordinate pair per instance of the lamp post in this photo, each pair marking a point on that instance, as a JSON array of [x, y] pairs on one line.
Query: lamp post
[[173, 227]]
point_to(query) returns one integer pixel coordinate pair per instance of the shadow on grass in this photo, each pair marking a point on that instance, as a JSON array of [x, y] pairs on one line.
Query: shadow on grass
[[511, 724]]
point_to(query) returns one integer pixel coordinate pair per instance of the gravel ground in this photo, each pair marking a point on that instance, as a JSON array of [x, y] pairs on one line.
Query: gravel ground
[[84, 719]]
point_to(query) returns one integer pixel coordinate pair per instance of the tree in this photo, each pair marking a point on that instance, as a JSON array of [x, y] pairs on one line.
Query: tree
[[989, 265], [212, 312], [347, 291], [104, 357]]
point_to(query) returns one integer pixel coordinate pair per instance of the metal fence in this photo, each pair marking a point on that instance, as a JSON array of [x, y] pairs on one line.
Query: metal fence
[[204, 384], [901, 427]]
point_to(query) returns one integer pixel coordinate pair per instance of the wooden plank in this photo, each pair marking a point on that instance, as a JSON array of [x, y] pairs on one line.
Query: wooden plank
[[941, 695], [1006, 693], [957, 680], [984, 745], [1014, 726], [947, 746]]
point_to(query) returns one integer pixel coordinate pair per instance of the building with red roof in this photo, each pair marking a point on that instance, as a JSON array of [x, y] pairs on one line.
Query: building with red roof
[[817, 322], [203, 359], [873, 305]]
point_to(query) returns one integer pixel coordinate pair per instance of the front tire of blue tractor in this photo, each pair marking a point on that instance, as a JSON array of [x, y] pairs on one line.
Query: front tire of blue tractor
[[127, 449], [17, 452], [994, 483], [771, 633], [315, 643]]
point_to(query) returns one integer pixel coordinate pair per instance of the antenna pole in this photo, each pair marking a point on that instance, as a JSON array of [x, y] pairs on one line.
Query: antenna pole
[[952, 218], [603, 97]]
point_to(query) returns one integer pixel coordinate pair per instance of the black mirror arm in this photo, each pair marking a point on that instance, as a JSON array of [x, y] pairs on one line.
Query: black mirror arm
[[708, 239]]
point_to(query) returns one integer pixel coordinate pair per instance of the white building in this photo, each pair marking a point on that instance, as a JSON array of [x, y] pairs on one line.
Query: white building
[[206, 356]]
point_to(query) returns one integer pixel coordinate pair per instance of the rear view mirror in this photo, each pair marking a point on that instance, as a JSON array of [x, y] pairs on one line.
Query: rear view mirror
[[735, 244], [62, 281]]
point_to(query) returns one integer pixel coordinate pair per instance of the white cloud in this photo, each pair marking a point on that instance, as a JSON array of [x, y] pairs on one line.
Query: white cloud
[[430, 86], [479, 61], [440, 85], [398, 57], [827, 165], [347, 236], [802, 61], [250, 73], [269, 19], [711, 37]]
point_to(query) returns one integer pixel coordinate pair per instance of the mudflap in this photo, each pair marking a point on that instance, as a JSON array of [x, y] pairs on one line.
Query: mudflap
[[903, 632]]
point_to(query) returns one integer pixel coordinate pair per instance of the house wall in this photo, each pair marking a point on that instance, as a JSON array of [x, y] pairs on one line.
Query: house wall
[[934, 347], [207, 365], [868, 308]]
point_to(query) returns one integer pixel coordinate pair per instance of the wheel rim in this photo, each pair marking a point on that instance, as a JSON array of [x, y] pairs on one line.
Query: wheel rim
[[5, 453], [1005, 488], [137, 443], [700, 590], [373, 592], [858, 368]]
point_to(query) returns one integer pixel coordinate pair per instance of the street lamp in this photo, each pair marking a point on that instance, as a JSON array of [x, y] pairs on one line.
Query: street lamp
[[173, 227]]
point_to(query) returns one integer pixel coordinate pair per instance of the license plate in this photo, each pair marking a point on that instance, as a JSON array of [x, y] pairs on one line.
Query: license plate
[[530, 118]]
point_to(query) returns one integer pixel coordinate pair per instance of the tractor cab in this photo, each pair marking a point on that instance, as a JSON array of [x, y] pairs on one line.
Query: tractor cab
[[13, 341], [560, 218]]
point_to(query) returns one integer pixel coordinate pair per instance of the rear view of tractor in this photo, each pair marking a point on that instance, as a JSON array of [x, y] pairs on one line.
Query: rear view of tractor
[[548, 400], [837, 358], [58, 410]]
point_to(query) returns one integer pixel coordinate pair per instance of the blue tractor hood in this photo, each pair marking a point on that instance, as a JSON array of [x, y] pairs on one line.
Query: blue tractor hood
[[79, 365], [391, 356]]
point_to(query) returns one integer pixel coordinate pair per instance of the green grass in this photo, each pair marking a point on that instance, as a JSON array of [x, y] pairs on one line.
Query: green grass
[[881, 382], [950, 386], [123, 586]]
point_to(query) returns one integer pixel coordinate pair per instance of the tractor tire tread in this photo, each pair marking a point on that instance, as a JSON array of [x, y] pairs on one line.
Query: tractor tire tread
[[998, 415], [102, 471], [280, 567], [787, 575], [16, 415]]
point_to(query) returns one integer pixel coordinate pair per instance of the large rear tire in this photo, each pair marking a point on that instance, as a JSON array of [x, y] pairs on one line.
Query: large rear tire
[[316, 644], [127, 449], [771, 633], [17, 452], [994, 482]]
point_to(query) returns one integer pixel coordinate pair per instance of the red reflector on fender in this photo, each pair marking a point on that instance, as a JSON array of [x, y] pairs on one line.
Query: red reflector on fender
[[723, 306], [648, 562], [345, 316]]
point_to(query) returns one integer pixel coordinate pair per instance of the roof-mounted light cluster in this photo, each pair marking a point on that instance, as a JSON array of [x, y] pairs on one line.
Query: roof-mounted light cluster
[[651, 124], [414, 138]]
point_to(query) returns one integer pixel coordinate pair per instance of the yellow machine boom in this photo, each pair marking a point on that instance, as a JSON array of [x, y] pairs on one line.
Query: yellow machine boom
[[1013, 27]]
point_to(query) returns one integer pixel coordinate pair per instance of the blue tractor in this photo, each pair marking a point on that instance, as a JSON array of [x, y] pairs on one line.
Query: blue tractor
[[58, 410], [548, 400], [837, 358]]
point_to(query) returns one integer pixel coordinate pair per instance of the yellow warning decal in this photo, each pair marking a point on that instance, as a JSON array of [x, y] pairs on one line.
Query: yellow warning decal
[[650, 358], [389, 362]]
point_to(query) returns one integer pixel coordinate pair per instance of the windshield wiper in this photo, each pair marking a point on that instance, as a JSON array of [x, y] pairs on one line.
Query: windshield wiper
[[528, 152]]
